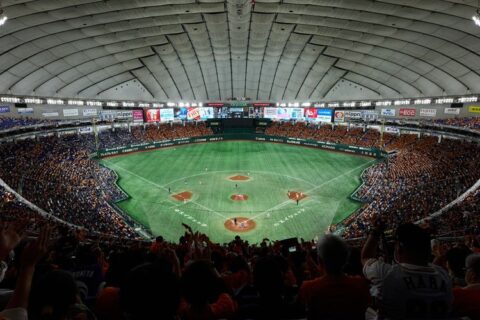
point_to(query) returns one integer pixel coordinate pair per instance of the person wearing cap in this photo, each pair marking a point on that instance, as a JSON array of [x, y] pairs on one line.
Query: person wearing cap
[[410, 288], [466, 300]]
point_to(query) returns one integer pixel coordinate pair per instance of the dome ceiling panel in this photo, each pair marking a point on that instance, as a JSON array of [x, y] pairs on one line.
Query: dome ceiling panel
[[263, 49]]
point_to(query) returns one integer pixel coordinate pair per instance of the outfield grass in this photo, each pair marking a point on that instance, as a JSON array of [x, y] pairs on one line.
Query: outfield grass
[[327, 178]]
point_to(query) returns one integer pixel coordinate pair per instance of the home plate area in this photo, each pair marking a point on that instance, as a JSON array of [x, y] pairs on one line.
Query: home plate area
[[240, 224]]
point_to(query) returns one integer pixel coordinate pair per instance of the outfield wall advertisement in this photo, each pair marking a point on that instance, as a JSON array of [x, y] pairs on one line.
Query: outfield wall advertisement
[[371, 152]]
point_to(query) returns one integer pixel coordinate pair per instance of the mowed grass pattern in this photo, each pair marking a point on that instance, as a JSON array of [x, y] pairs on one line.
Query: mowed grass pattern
[[327, 178]]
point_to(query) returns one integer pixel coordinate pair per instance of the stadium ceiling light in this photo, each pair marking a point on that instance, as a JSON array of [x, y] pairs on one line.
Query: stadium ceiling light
[[170, 104], [33, 100], [3, 17], [401, 102], [366, 104], [306, 104], [444, 100], [10, 99], [476, 16], [422, 101], [468, 99], [55, 101], [349, 104]]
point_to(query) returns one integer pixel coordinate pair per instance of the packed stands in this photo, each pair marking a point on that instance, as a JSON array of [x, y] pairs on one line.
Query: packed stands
[[114, 278], [466, 123], [12, 123]]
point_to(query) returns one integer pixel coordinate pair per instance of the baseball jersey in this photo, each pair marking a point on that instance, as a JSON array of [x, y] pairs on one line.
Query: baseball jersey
[[406, 291]]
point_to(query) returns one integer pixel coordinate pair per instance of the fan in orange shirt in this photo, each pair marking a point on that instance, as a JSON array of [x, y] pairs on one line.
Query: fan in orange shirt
[[334, 295]]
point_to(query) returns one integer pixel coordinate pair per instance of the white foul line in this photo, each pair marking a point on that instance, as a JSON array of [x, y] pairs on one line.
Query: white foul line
[[162, 187], [308, 191]]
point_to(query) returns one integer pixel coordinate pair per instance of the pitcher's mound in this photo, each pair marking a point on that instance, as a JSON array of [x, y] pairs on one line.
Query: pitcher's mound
[[239, 178], [242, 225], [182, 196], [239, 197], [294, 195]]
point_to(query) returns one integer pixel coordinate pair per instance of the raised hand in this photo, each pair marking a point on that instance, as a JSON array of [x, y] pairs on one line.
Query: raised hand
[[36, 249], [10, 236]]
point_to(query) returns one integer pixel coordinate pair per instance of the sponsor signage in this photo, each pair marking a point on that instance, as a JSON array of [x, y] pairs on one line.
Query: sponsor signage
[[369, 115], [124, 114], [152, 115], [270, 113], [238, 104], [311, 113], [108, 115], [166, 115], [4, 109], [452, 111], [261, 104], [474, 109], [25, 110], [50, 114], [137, 115], [324, 115], [353, 115], [388, 112], [428, 112], [392, 130], [70, 112], [89, 112], [339, 116], [216, 104], [85, 130], [408, 112]]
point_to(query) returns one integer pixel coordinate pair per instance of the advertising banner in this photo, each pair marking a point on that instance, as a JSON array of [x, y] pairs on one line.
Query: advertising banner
[[137, 115], [353, 115], [282, 114], [324, 115], [392, 130], [85, 130], [452, 111], [408, 112], [270, 113], [89, 112], [369, 115], [181, 113], [108, 115], [167, 115], [388, 112], [193, 114], [339, 116], [4, 109], [50, 114], [428, 112], [124, 115], [295, 113], [311, 113], [474, 109], [70, 112], [206, 113], [152, 115], [25, 110]]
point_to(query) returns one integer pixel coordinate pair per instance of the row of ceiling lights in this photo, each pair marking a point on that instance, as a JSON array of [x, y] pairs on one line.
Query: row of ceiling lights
[[346, 104]]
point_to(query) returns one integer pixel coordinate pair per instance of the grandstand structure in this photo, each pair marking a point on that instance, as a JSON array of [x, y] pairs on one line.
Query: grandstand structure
[[393, 82]]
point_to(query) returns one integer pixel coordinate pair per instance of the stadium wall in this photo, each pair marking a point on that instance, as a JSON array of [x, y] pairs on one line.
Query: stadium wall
[[370, 152]]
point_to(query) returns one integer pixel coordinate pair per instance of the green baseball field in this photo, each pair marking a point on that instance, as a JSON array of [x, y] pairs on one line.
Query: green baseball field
[[253, 189]]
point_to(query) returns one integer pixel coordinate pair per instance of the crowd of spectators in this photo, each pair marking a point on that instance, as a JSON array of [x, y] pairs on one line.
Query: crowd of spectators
[[11, 123], [419, 178], [62, 275], [59, 175], [466, 123]]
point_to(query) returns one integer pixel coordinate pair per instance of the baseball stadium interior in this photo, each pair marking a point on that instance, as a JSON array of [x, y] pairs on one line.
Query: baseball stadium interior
[[239, 159]]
